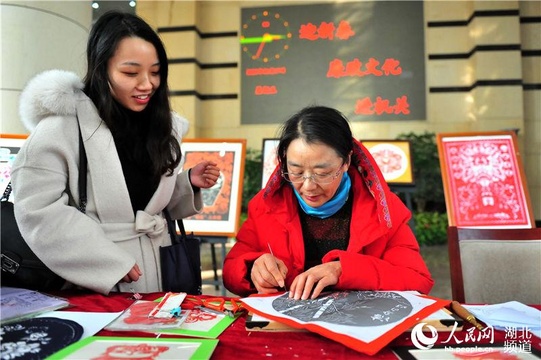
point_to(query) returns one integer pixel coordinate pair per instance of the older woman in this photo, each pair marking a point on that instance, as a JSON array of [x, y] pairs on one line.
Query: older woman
[[326, 219]]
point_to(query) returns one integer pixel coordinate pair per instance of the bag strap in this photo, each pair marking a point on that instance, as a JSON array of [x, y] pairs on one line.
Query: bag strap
[[181, 228], [171, 228], [83, 168], [7, 192]]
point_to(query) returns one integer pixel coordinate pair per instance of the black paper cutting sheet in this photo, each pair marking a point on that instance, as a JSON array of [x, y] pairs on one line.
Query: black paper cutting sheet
[[37, 338]]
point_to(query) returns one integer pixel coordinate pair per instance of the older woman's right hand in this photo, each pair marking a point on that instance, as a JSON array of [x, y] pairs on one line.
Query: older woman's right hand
[[268, 274]]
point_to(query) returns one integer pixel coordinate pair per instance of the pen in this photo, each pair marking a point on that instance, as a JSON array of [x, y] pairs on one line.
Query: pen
[[465, 314], [270, 249]]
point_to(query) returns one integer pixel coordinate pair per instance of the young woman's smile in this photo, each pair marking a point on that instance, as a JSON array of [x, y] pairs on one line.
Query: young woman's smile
[[134, 73]]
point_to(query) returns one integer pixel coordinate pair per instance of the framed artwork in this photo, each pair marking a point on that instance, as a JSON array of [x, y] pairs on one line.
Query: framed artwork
[[108, 347], [269, 159], [196, 322], [483, 180], [9, 147], [394, 160], [222, 202]]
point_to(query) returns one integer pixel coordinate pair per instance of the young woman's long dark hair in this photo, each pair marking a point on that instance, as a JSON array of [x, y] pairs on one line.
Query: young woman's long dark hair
[[158, 141]]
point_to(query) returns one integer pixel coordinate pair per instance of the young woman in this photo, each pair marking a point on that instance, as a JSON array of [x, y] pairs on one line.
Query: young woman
[[327, 216], [132, 144]]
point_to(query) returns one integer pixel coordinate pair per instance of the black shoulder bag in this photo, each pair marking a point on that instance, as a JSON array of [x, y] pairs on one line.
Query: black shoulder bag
[[181, 262], [20, 266]]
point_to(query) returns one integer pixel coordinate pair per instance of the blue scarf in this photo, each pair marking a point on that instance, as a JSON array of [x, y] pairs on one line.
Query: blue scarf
[[332, 206]]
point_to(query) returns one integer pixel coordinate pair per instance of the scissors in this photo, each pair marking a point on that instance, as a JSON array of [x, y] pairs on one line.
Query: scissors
[[214, 304]]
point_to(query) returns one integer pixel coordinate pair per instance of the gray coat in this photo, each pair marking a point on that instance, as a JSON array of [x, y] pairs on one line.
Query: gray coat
[[93, 250]]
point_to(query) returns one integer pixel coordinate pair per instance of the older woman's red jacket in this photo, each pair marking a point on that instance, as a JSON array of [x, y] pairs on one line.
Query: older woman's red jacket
[[382, 254]]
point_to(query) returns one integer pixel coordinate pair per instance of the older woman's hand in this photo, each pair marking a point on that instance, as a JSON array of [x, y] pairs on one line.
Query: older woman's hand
[[311, 283], [268, 274], [205, 174]]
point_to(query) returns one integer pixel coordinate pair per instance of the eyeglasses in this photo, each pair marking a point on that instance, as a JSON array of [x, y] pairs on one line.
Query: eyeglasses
[[321, 179]]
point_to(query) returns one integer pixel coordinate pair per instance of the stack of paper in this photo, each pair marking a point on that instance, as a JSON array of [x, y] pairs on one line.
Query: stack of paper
[[512, 314], [18, 304]]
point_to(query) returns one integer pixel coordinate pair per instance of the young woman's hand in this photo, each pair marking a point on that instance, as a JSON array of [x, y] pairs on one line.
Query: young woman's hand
[[311, 283], [134, 274], [204, 175], [268, 274]]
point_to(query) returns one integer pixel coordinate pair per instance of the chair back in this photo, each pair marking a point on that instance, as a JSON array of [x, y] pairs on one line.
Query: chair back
[[490, 266]]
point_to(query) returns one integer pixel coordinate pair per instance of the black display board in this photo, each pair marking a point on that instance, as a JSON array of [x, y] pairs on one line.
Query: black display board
[[364, 58]]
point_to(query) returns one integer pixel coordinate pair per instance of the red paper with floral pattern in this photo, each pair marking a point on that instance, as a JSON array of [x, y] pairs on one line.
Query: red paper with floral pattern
[[485, 187]]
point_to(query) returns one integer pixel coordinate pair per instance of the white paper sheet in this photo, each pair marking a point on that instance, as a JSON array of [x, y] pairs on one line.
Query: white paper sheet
[[512, 314], [92, 322], [19, 304], [364, 315]]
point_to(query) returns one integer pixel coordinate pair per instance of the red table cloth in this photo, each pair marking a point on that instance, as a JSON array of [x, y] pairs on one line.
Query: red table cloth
[[238, 343]]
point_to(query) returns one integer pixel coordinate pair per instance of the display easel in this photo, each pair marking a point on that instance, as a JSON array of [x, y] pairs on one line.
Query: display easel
[[220, 218], [213, 241], [407, 191]]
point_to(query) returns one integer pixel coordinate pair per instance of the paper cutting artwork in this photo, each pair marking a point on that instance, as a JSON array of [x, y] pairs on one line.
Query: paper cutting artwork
[[270, 159], [222, 202], [363, 320], [348, 308], [114, 348], [391, 160], [217, 198], [202, 323], [201, 320], [37, 338], [136, 318], [484, 184], [194, 322]]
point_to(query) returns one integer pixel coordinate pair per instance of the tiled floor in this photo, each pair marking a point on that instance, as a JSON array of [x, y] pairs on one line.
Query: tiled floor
[[435, 257]]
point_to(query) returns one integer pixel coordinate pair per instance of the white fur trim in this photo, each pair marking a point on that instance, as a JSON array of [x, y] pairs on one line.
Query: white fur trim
[[49, 93]]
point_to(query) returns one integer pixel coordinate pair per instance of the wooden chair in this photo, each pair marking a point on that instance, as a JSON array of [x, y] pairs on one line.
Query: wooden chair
[[491, 266]]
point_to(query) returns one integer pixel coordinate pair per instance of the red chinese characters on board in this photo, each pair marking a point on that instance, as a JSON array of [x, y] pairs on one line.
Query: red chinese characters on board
[[326, 31], [337, 69], [485, 188], [365, 106], [266, 90]]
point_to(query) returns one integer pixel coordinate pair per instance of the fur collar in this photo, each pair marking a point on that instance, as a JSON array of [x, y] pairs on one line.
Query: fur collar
[[55, 92], [50, 93]]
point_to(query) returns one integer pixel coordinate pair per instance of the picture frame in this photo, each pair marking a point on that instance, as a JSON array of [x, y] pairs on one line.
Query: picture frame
[[394, 160], [103, 347], [202, 323], [483, 180], [9, 148], [269, 158], [221, 213]]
